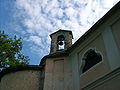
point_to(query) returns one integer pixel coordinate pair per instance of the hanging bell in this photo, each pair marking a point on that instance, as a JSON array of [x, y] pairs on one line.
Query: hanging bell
[[60, 43]]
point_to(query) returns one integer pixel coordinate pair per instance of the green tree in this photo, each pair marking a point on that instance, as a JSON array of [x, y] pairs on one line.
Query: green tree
[[10, 54]]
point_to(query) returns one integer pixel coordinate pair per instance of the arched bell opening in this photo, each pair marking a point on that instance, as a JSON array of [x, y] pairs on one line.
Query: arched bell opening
[[60, 42]]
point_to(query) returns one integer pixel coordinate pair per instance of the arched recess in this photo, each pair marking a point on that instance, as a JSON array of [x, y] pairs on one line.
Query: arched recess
[[90, 58], [60, 42]]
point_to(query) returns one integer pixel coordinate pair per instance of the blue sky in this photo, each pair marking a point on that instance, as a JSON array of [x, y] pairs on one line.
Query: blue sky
[[34, 20]]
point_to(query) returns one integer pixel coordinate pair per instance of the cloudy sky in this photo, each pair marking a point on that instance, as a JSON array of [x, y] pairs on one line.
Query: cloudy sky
[[34, 20]]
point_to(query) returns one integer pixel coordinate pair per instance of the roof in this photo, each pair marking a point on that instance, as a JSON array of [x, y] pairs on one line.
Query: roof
[[54, 55], [86, 35], [19, 68], [60, 30]]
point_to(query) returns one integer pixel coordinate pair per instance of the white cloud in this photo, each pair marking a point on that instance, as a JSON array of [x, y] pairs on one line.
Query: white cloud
[[42, 17], [35, 39]]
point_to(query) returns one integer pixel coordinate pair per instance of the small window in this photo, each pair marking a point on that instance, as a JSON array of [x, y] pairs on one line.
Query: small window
[[90, 59]]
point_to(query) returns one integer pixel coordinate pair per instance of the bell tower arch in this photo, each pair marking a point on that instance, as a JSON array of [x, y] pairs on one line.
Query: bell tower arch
[[60, 40]]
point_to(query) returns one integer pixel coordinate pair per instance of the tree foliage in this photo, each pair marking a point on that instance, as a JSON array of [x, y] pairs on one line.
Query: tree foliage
[[10, 54]]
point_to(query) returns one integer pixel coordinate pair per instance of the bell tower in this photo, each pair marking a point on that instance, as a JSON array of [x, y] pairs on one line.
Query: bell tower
[[61, 40]]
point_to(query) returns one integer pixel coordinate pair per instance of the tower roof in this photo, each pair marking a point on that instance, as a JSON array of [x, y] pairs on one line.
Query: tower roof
[[60, 30]]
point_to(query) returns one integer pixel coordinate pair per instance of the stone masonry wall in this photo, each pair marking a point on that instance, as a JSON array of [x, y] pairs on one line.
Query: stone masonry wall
[[21, 80]]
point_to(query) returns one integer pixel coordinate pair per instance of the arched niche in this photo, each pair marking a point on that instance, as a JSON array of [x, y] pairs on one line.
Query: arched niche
[[90, 59], [60, 42]]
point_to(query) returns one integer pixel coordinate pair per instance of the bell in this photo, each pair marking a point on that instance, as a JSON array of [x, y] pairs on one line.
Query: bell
[[60, 43]]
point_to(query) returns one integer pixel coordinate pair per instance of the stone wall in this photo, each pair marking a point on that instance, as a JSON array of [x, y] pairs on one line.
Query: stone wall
[[22, 80], [58, 74], [104, 38]]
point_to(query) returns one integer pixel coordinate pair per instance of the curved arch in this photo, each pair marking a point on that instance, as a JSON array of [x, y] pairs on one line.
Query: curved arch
[[90, 58], [60, 37], [60, 42]]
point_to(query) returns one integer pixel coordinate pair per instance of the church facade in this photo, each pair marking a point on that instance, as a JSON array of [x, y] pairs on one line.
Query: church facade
[[91, 63]]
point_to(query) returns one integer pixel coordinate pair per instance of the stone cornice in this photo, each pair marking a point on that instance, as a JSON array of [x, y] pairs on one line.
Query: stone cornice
[[102, 80]]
